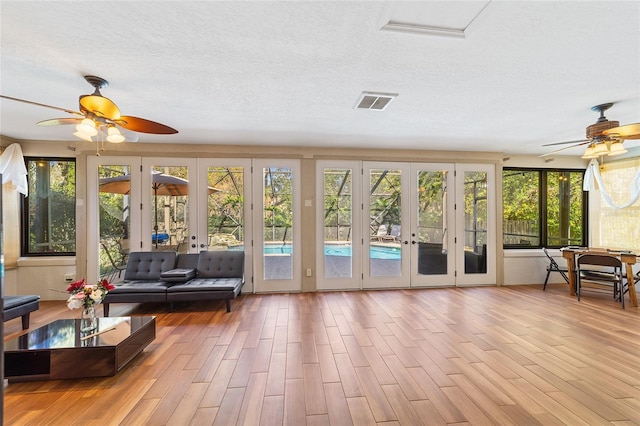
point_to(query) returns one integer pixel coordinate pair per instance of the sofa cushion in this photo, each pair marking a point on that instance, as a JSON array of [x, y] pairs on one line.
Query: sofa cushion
[[220, 264], [207, 284], [139, 287], [185, 269], [148, 265], [178, 275], [11, 302], [187, 260]]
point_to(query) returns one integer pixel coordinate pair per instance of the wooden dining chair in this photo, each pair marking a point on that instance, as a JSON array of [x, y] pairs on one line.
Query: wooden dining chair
[[554, 267], [603, 271]]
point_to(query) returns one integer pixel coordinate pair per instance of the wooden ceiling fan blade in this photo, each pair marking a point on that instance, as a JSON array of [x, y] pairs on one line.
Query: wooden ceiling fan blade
[[145, 126], [42, 105], [566, 147], [59, 121], [99, 106], [629, 131], [566, 142]]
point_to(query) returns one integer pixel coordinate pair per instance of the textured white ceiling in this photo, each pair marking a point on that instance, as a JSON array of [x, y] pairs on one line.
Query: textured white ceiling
[[290, 73]]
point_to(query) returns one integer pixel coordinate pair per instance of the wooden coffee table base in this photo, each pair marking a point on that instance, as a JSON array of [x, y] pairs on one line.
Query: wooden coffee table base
[[58, 350]]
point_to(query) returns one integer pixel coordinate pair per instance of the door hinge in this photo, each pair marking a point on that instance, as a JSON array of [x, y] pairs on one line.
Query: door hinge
[[140, 206], [140, 168], [455, 273], [455, 240]]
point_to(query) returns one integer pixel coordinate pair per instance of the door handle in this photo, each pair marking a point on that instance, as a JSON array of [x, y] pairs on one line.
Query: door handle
[[202, 246], [412, 242]]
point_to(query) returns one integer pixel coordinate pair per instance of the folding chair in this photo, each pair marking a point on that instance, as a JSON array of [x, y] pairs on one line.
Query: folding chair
[[554, 267], [607, 275]]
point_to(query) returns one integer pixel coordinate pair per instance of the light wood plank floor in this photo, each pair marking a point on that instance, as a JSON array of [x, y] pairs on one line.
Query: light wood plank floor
[[483, 355]]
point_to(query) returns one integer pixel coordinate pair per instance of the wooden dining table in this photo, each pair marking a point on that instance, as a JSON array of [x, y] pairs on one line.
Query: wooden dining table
[[628, 259]]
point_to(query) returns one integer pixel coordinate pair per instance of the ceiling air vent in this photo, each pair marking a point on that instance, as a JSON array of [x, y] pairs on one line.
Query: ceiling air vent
[[375, 101]]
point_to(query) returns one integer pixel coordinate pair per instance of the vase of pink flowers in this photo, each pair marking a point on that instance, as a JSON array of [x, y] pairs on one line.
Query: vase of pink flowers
[[86, 296]]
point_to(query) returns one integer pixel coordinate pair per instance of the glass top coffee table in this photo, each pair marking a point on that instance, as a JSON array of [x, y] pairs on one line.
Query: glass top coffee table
[[61, 351]]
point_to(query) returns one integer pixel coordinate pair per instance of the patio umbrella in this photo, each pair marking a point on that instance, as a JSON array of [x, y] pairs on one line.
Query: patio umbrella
[[161, 184]]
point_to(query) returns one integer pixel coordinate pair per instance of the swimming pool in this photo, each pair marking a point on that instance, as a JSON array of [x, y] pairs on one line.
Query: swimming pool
[[375, 252]]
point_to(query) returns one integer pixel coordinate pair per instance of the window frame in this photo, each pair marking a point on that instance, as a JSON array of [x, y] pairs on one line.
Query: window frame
[[24, 210], [542, 207]]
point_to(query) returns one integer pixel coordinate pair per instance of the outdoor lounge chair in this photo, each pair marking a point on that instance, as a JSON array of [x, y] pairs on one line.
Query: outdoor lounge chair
[[382, 232], [394, 235]]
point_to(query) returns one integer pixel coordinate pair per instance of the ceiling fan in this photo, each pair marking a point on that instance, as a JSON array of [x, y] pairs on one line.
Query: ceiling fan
[[99, 116], [604, 137]]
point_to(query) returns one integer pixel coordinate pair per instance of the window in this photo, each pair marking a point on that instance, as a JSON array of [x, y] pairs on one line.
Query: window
[[543, 208], [49, 212]]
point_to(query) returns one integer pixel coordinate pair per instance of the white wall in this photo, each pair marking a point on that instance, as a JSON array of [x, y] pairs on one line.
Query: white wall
[[44, 276], [529, 266]]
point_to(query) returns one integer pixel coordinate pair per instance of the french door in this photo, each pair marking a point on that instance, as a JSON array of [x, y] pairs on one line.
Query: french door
[[339, 230], [276, 221], [386, 249], [411, 225], [475, 224], [224, 199], [114, 190], [433, 242], [188, 205]]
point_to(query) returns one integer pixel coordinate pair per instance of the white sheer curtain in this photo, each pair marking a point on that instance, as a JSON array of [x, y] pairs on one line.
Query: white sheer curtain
[[14, 180], [619, 216], [13, 168]]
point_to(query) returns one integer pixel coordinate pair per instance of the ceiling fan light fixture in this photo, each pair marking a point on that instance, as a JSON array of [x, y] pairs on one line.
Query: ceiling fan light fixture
[[114, 135], [600, 149], [87, 127], [83, 136], [616, 148], [589, 153]]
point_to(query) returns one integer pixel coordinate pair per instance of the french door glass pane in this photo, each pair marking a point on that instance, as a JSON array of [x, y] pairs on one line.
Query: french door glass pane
[[432, 222], [114, 219], [170, 195], [385, 197], [475, 223], [225, 208], [338, 217], [277, 225]]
